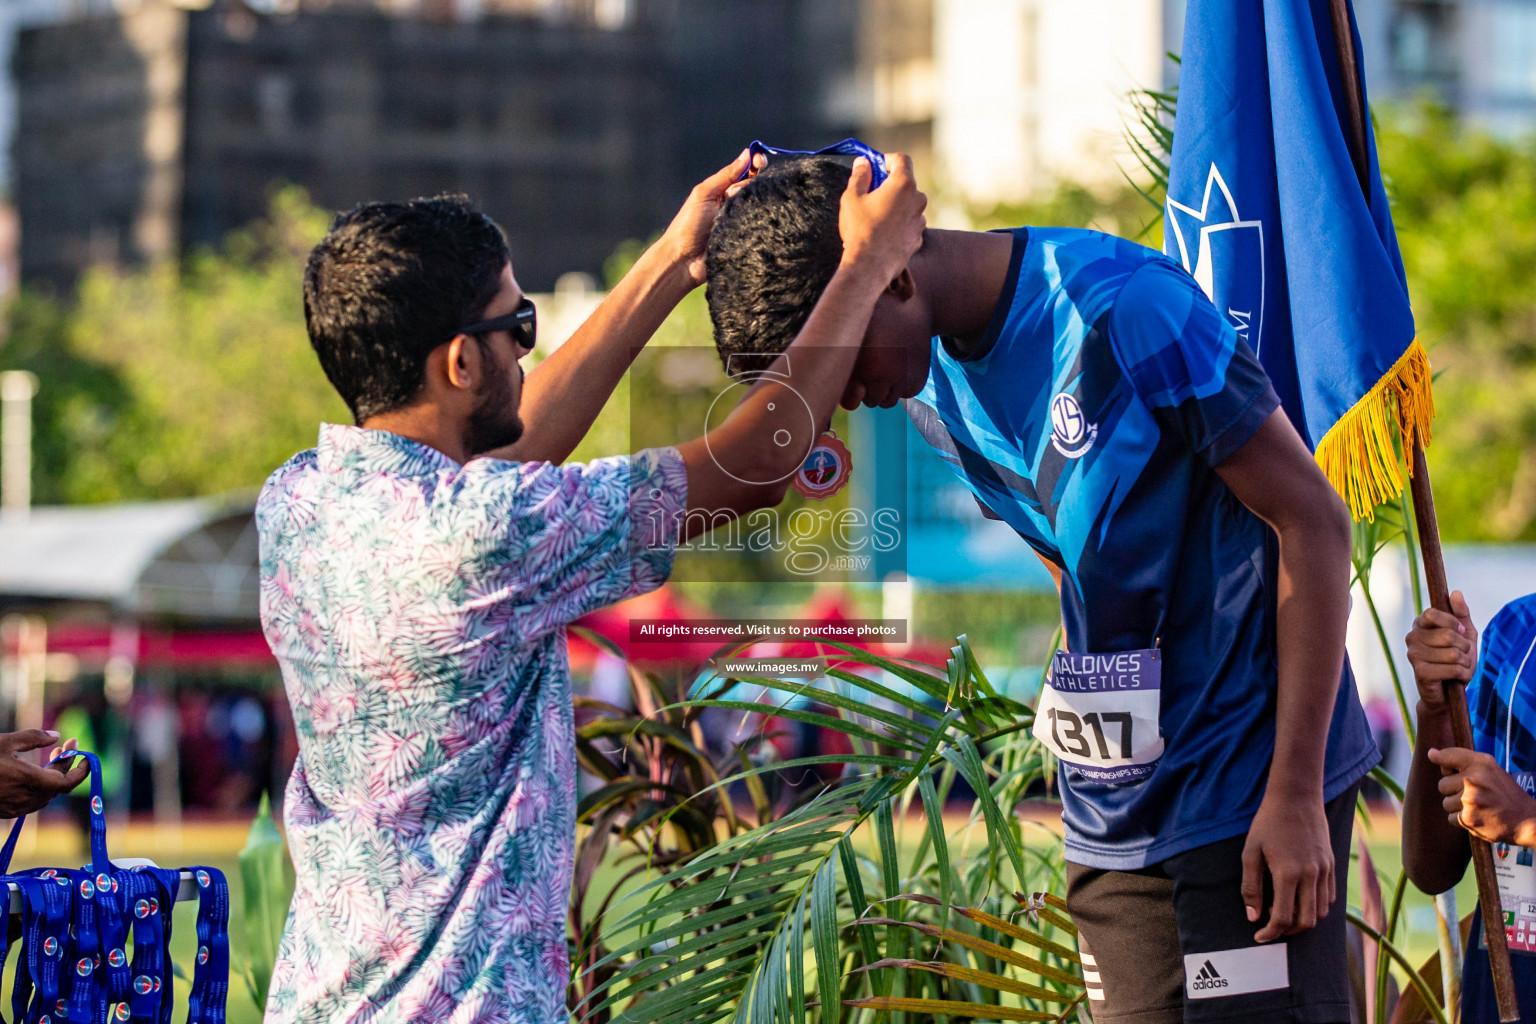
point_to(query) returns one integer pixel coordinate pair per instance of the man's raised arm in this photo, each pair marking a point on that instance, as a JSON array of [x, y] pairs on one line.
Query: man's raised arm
[[563, 394], [745, 463]]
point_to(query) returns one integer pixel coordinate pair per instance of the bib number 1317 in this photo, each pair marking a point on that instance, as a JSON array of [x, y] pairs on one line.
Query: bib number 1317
[[1099, 713], [1067, 729]]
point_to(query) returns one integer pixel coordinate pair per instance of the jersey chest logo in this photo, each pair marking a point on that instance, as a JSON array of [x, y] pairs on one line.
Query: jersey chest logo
[[1071, 433]]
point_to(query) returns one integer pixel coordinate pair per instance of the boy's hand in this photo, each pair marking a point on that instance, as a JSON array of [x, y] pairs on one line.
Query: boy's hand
[[883, 229], [1442, 647], [1484, 799], [25, 787], [688, 234], [1289, 837]]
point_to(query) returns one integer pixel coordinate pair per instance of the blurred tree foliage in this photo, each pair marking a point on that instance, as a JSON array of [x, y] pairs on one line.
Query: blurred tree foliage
[[1464, 204], [175, 380], [197, 378], [1120, 210]]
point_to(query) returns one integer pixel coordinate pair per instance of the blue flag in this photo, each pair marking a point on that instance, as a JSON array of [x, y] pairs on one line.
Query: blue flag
[[1266, 211]]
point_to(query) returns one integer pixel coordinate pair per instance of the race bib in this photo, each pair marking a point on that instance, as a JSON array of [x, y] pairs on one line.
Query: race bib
[[1098, 713], [1515, 868]]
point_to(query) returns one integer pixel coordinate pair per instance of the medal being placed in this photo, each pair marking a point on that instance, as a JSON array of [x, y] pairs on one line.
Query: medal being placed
[[826, 468], [1099, 713]]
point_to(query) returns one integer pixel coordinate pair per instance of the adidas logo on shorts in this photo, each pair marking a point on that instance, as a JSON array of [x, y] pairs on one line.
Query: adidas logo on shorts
[[1234, 972], [1208, 978]]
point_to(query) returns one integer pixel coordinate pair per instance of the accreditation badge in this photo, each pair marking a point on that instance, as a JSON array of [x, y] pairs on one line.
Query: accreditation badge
[[1099, 713], [1515, 868]]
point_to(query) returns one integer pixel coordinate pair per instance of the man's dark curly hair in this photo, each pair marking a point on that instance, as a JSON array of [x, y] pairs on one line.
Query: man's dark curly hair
[[389, 283], [772, 252]]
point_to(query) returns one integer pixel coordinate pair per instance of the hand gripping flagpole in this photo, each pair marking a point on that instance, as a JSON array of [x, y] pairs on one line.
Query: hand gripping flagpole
[[1429, 545]]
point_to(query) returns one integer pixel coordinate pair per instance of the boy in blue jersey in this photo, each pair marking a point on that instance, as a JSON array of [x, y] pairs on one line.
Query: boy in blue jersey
[[1489, 792], [1210, 738]]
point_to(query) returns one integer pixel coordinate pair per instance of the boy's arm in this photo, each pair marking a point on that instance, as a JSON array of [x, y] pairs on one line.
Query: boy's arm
[[1441, 647], [745, 463], [1275, 476], [563, 394]]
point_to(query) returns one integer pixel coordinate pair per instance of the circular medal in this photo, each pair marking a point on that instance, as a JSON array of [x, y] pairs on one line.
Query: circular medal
[[826, 468]]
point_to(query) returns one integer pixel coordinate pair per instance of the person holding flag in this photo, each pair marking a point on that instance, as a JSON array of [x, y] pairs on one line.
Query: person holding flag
[[1163, 431], [1487, 790], [1276, 206], [1089, 394]]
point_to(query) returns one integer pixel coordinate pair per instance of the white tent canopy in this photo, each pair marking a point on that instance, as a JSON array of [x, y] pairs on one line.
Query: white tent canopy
[[187, 559]]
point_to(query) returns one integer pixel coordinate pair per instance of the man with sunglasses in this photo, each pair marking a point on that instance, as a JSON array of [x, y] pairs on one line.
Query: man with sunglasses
[[418, 570]]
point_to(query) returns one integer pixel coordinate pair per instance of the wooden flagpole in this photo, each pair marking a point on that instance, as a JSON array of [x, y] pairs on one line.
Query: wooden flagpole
[[1429, 544]]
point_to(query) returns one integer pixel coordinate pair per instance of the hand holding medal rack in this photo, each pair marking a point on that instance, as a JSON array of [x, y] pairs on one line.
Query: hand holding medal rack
[[186, 890], [72, 958]]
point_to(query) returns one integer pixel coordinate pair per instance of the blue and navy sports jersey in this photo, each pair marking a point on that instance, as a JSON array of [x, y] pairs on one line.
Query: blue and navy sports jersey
[[1089, 417], [1502, 694], [1502, 699]]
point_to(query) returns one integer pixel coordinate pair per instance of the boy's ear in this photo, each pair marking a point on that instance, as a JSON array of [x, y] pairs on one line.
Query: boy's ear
[[902, 286]]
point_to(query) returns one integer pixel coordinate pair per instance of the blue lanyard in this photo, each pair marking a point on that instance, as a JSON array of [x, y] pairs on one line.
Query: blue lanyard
[[73, 963], [844, 152], [147, 902], [210, 977]]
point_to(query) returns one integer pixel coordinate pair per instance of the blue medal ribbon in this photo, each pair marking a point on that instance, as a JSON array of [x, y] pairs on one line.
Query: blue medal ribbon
[[210, 977], [845, 152]]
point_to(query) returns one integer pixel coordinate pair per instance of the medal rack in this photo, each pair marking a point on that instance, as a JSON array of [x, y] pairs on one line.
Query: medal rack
[[187, 890]]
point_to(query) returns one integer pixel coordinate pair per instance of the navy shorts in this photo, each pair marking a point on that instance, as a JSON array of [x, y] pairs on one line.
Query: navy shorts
[[1172, 942]]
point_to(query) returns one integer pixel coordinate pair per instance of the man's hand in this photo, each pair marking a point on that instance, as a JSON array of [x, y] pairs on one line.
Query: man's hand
[[688, 234], [882, 229], [1441, 648], [25, 787], [1484, 799], [1289, 838]]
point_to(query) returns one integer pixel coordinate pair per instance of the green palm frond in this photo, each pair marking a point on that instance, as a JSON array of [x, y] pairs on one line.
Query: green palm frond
[[979, 978], [1149, 134], [759, 925]]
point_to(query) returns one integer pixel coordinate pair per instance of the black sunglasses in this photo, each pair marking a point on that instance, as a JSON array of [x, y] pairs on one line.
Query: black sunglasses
[[523, 322]]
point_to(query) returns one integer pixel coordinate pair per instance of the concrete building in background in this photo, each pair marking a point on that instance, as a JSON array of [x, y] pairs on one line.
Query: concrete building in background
[[147, 132], [1000, 99], [146, 127], [1476, 56], [1034, 92], [1007, 97]]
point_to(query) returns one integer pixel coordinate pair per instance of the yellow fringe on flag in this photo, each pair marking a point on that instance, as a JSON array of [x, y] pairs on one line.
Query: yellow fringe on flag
[[1358, 453]]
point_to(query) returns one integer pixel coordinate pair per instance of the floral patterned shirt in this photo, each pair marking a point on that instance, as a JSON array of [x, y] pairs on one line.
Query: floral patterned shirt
[[418, 609]]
